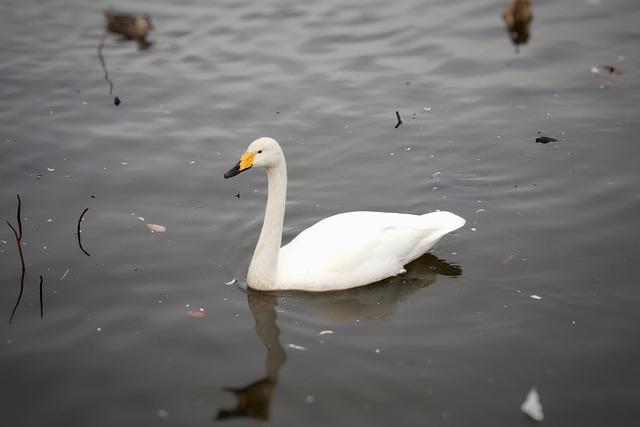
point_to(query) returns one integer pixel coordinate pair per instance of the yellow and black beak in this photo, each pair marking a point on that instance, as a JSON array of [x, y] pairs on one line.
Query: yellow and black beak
[[246, 162]]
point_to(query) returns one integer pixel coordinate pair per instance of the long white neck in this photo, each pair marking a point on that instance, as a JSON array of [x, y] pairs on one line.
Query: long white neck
[[264, 264]]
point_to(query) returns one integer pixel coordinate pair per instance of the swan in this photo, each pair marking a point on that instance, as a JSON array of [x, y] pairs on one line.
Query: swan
[[340, 252]]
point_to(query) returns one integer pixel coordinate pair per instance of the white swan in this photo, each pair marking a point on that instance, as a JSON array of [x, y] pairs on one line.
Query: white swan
[[340, 252]]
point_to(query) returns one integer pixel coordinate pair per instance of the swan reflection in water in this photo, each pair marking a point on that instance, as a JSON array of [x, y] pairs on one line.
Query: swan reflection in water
[[373, 302]]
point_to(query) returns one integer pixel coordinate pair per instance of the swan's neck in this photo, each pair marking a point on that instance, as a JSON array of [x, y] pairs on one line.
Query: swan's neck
[[264, 265]]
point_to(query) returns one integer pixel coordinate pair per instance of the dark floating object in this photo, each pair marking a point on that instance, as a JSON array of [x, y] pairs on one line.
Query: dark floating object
[[400, 121], [41, 302], [78, 231], [545, 139], [18, 236], [130, 26], [517, 17], [116, 101], [238, 195], [611, 70]]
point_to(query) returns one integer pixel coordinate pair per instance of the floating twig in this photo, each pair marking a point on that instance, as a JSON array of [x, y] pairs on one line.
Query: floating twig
[[19, 243], [18, 216], [41, 303], [65, 274], [400, 121], [546, 139], [79, 238]]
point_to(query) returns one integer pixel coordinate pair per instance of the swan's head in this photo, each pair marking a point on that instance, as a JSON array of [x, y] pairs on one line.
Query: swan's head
[[263, 152]]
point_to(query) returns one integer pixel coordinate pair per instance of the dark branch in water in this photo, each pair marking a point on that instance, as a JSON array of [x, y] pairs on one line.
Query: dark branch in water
[[79, 238], [19, 243], [18, 216], [400, 121], [41, 302]]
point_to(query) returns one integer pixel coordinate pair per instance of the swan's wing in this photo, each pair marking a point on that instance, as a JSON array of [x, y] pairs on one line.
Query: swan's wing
[[357, 248]]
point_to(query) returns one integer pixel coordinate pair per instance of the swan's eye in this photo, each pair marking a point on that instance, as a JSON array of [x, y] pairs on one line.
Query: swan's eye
[[259, 151]]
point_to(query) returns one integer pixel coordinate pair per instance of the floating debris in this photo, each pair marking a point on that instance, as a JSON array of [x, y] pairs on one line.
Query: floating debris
[[325, 332], [156, 228], [538, 297], [78, 231], [41, 302], [509, 258], [609, 69], [297, 347], [191, 313], [231, 282], [18, 236], [531, 406], [400, 121], [545, 139]]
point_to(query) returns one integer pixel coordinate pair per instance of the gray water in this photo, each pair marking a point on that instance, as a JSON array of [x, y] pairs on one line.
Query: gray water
[[538, 289]]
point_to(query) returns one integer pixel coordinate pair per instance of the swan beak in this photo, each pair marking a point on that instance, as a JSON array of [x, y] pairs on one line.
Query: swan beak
[[246, 162]]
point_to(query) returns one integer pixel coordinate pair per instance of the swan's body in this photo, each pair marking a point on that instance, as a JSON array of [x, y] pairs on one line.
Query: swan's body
[[340, 252]]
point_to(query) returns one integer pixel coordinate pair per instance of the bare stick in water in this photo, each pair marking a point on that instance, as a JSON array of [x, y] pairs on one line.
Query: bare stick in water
[[79, 238], [19, 243], [400, 121], [18, 216], [41, 302]]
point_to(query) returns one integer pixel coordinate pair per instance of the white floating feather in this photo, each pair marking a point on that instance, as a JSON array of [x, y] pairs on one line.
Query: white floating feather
[[531, 406]]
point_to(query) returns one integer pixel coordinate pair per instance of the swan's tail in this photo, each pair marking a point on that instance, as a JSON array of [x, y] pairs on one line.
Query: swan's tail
[[435, 226], [444, 222]]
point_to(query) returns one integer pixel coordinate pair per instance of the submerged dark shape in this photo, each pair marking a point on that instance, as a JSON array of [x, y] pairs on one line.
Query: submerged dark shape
[[545, 139], [517, 17], [130, 26]]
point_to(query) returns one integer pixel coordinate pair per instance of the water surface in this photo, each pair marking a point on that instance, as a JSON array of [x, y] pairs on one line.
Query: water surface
[[538, 289]]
